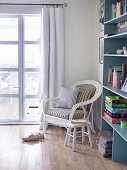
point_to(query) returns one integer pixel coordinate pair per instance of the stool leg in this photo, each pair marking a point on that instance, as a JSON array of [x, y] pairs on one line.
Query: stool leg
[[67, 136], [83, 137], [74, 139], [89, 135]]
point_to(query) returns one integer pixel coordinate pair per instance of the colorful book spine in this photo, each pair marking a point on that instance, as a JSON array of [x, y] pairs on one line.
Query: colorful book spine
[[119, 8], [116, 105], [113, 99], [116, 115], [115, 110], [123, 7], [113, 10], [113, 120]]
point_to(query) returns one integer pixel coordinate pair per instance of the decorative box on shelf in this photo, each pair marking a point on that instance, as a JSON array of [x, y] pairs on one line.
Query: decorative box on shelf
[[123, 123]]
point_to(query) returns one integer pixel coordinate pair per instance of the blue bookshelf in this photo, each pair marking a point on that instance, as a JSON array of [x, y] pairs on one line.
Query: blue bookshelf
[[111, 44]]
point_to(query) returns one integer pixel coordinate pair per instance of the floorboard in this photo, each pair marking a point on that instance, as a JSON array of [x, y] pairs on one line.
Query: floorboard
[[50, 153]]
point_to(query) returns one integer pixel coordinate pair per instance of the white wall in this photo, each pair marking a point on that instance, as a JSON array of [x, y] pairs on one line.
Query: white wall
[[80, 39]]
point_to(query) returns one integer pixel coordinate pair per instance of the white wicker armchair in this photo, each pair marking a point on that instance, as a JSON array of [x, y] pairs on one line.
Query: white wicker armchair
[[62, 122]]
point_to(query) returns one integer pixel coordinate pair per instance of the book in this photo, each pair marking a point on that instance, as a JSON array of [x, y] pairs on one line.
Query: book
[[81, 122], [113, 99], [119, 8], [116, 115], [121, 27], [123, 72], [117, 76], [113, 120], [116, 99], [125, 7], [113, 11], [115, 110], [116, 105]]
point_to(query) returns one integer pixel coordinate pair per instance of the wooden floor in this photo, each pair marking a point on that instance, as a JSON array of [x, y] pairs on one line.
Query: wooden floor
[[50, 153]]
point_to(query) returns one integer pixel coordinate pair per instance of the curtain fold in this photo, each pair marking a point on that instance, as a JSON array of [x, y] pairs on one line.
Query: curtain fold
[[52, 52]]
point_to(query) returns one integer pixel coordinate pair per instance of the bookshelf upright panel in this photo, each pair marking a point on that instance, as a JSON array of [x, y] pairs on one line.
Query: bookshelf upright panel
[[113, 41]]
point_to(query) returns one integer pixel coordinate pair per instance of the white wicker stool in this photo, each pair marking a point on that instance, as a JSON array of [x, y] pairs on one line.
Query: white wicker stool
[[74, 135]]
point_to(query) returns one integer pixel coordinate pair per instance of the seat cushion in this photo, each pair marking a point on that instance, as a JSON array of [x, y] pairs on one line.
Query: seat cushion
[[86, 92], [65, 113]]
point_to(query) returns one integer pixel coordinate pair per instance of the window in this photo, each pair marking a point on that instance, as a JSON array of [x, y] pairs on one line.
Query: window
[[19, 67]]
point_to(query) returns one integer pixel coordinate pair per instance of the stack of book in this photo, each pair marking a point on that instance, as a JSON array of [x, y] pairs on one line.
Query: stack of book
[[121, 27], [115, 109], [119, 8], [104, 143]]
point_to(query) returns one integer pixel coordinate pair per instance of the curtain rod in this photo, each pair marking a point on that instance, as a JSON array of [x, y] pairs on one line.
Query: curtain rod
[[65, 4]]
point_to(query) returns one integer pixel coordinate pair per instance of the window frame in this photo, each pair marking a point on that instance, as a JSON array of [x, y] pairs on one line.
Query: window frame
[[21, 96]]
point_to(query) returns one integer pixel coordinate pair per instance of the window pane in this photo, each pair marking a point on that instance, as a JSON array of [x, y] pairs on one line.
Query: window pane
[[31, 110], [8, 56], [8, 82], [32, 56], [32, 28], [31, 83], [8, 109], [8, 29]]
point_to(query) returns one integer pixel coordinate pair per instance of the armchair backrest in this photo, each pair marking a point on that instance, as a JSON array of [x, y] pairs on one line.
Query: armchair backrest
[[96, 88], [96, 84]]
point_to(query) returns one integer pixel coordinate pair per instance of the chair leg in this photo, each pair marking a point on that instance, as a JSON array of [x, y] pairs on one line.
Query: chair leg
[[92, 126], [74, 139], [89, 135], [67, 136], [83, 137]]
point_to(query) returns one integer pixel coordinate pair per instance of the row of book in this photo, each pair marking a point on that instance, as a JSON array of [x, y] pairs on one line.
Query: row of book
[[121, 27], [115, 109], [119, 8], [115, 75]]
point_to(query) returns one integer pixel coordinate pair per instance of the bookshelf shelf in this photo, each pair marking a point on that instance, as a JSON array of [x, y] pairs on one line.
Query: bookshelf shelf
[[117, 20], [117, 127], [122, 35], [116, 91], [114, 55], [111, 45]]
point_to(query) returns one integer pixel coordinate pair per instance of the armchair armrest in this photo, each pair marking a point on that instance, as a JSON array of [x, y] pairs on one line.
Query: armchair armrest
[[82, 104], [46, 102]]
